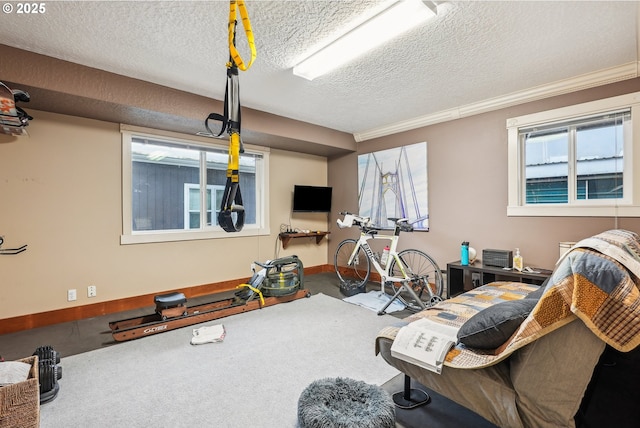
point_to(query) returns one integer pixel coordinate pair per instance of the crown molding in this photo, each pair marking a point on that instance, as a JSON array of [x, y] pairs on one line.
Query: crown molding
[[578, 83]]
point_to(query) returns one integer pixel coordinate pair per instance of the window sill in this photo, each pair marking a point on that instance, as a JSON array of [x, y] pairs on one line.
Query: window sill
[[186, 235], [573, 211]]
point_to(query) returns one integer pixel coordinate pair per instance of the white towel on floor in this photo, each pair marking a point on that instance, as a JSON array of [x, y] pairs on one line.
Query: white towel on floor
[[208, 334]]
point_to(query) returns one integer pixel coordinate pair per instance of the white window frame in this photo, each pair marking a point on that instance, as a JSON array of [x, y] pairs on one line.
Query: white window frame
[[129, 236], [213, 188], [628, 206]]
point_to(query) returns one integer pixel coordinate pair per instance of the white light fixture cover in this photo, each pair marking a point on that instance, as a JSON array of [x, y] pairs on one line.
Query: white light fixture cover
[[388, 24]]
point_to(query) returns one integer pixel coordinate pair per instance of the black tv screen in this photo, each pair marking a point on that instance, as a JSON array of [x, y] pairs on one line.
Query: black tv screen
[[311, 199]]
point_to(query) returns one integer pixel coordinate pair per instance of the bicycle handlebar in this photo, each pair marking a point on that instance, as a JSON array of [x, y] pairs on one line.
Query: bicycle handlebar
[[353, 219], [365, 222]]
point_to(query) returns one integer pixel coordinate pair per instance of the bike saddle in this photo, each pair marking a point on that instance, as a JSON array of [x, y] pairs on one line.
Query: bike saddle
[[398, 219], [406, 227]]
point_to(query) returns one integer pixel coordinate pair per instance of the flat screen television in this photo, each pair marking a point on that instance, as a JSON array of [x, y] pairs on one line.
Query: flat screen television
[[311, 199]]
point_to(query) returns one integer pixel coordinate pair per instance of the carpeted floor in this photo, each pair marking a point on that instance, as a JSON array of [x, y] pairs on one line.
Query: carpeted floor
[[251, 379], [86, 335]]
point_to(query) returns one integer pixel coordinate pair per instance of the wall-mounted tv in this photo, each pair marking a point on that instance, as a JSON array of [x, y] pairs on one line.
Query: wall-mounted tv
[[311, 199]]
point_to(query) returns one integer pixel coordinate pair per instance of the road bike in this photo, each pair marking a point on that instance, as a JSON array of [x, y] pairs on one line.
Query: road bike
[[414, 277]]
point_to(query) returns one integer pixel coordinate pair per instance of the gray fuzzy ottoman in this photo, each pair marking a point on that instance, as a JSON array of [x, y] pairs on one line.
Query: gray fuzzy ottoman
[[345, 403]]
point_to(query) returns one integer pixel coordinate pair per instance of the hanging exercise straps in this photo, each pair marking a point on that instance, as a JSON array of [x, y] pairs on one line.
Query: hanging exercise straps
[[230, 120]]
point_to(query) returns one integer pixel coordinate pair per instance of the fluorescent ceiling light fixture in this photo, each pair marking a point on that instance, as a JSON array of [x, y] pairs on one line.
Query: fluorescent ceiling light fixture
[[400, 17]]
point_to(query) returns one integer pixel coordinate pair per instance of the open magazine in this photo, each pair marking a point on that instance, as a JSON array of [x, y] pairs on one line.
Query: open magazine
[[424, 343]]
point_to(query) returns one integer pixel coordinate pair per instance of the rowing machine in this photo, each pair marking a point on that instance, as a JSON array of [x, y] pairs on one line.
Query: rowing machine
[[172, 312]]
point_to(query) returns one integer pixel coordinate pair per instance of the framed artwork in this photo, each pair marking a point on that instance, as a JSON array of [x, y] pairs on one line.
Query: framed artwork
[[393, 184]]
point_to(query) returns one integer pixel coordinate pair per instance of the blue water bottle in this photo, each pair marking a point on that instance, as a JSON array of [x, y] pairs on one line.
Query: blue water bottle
[[464, 254]]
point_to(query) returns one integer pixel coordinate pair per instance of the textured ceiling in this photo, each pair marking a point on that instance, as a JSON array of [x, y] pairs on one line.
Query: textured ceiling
[[473, 51]]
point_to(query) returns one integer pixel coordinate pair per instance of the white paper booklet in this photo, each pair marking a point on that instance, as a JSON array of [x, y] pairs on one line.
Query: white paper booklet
[[424, 343]]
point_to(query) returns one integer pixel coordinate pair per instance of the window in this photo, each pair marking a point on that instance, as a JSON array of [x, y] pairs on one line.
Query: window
[[595, 145], [172, 188], [575, 161], [192, 202]]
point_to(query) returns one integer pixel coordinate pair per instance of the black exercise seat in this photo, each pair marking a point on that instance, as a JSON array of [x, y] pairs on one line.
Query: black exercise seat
[[169, 300]]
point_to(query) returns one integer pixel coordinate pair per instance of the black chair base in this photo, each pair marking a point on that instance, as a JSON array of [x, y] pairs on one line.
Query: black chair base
[[410, 398]]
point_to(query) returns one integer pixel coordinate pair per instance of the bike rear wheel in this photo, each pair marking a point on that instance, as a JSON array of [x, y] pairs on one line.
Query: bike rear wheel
[[424, 276], [356, 273]]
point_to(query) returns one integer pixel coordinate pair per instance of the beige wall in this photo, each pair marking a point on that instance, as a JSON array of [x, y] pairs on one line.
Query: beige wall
[[60, 193], [287, 169], [467, 168]]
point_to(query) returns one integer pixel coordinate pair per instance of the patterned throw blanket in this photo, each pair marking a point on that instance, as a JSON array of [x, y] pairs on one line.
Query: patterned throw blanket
[[596, 282]]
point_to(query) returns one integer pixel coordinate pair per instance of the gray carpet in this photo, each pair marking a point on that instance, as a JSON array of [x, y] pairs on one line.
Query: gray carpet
[[254, 378]]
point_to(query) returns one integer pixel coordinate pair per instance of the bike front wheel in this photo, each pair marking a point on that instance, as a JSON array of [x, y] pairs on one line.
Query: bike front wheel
[[356, 273], [423, 275]]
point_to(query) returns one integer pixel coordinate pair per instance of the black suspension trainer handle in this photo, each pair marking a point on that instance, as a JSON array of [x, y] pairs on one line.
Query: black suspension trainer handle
[[235, 207]]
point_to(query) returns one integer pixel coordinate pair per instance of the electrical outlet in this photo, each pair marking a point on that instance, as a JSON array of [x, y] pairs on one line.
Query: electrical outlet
[[71, 295], [92, 291], [476, 279]]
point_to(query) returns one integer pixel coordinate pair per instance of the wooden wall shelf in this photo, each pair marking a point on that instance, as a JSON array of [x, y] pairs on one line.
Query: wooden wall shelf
[[286, 237]]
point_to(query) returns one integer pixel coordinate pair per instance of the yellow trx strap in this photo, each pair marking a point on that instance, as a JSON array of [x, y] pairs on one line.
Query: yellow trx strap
[[246, 24], [231, 215], [255, 290]]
